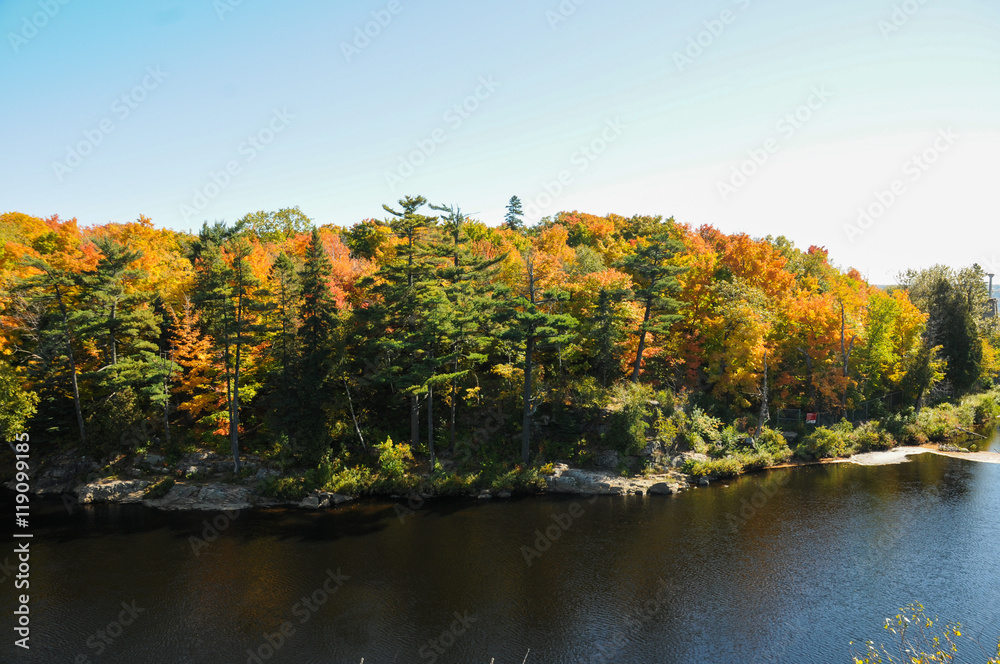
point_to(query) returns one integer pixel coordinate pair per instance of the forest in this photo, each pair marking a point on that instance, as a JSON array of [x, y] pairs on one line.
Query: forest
[[492, 348]]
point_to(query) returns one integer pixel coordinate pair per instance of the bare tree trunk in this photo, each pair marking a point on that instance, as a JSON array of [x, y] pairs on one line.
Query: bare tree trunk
[[526, 421], [72, 366], [430, 423], [234, 421], [454, 406], [764, 415], [642, 341], [810, 391], [414, 421], [354, 418], [845, 354]]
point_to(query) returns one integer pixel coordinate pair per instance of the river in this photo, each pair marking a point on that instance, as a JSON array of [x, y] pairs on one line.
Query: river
[[785, 566]]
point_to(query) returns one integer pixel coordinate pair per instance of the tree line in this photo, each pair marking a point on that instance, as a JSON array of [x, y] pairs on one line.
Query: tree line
[[279, 336]]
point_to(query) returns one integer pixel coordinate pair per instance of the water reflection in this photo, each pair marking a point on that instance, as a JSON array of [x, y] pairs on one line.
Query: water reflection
[[819, 556]]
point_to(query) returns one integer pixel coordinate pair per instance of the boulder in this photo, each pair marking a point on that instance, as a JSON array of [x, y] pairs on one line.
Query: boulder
[[607, 459], [562, 484], [310, 502], [660, 489], [125, 491], [210, 497]]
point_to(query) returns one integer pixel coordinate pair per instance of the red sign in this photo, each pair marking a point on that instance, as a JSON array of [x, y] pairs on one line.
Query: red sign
[[810, 418]]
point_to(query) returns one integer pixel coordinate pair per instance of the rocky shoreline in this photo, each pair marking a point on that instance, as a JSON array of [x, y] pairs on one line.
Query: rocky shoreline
[[203, 481]]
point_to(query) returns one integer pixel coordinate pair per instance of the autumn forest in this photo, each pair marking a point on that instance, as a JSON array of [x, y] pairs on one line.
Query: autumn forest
[[501, 347]]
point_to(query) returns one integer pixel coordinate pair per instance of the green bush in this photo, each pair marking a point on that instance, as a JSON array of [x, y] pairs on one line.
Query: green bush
[[159, 489], [985, 407], [455, 484], [727, 467], [827, 443], [871, 437], [519, 480], [627, 425], [941, 422], [774, 444], [394, 461], [284, 488]]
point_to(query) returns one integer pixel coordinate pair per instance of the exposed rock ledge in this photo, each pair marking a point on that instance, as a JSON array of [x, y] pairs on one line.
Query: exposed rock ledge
[[603, 483], [213, 497]]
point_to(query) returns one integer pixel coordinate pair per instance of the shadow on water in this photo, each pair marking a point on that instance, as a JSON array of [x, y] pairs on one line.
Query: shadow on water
[[780, 566]]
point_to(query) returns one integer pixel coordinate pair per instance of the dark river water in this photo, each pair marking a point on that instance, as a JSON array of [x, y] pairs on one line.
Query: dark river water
[[786, 566]]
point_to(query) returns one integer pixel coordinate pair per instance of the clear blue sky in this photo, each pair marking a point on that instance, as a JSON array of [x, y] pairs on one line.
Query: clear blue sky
[[666, 124]]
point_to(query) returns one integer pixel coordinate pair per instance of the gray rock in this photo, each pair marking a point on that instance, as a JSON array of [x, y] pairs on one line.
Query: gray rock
[[504, 494], [310, 502], [660, 489], [149, 460], [607, 459], [485, 495], [211, 497], [117, 490], [562, 484]]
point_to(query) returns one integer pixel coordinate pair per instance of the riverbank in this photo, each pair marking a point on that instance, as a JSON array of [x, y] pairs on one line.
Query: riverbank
[[201, 481]]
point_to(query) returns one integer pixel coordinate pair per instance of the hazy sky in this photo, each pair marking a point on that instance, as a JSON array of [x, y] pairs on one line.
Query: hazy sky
[[770, 117]]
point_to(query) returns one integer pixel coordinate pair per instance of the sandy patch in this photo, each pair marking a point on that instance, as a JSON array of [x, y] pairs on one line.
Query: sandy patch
[[902, 454], [887, 458]]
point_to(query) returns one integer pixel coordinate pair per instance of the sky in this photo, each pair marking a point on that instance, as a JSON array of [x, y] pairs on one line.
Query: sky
[[868, 127]]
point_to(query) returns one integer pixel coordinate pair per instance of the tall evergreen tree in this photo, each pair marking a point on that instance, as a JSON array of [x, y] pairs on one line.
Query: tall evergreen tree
[[532, 326], [318, 316], [656, 279], [514, 218], [53, 292]]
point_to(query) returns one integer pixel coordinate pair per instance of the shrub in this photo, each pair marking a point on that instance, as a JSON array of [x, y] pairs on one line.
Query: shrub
[[627, 425], [774, 444], [284, 488], [394, 461], [159, 489], [521, 480], [455, 484], [939, 423], [916, 638], [870, 436], [985, 407], [727, 467], [827, 443]]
